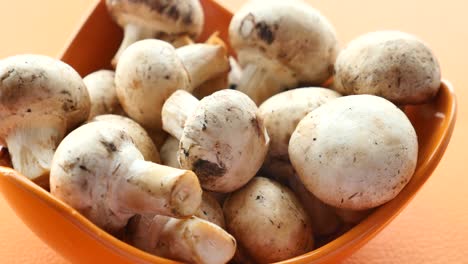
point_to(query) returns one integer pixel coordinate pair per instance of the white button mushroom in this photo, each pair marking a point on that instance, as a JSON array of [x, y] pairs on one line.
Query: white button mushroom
[[41, 99], [169, 20], [391, 64], [98, 170], [101, 89], [222, 139], [192, 240], [138, 134], [268, 221], [149, 71], [280, 44], [281, 113], [355, 152]]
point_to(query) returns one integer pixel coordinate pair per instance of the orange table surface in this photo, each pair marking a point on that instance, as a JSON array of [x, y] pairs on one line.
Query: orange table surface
[[432, 229]]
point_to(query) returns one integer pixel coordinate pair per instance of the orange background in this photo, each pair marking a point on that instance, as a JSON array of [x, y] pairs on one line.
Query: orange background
[[432, 229]]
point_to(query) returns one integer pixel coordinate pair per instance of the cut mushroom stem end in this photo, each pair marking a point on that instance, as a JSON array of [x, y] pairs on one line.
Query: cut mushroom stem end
[[149, 182]]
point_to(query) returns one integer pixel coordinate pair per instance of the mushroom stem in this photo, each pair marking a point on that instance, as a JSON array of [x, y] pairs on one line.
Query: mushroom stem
[[264, 78], [132, 34], [203, 62], [32, 148], [177, 108], [190, 240], [149, 187]]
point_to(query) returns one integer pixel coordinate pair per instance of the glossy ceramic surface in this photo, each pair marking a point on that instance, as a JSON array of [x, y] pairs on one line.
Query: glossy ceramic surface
[[80, 241]]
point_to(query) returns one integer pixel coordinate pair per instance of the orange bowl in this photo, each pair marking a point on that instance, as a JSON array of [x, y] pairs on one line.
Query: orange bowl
[[80, 241]]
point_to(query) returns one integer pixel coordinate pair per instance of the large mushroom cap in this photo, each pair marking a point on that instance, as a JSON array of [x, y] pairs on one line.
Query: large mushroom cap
[[391, 64], [355, 152], [161, 16], [289, 32], [36, 86]]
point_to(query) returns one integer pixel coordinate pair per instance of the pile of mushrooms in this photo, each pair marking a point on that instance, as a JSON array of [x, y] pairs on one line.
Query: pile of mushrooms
[[198, 156]]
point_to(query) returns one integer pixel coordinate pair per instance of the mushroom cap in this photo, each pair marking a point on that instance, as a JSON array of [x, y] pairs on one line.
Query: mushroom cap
[[83, 162], [391, 64], [174, 17], [138, 134], [36, 87], [268, 221], [101, 89], [224, 141], [282, 112], [148, 72], [291, 33], [355, 152]]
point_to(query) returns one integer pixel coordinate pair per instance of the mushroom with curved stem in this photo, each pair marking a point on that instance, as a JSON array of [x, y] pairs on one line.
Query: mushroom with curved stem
[[222, 139], [108, 181], [41, 99], [281, 113], [176, 21], [191, 240], [101, 89], [355, 152], [149, 71], [280, 45], [138, 134]]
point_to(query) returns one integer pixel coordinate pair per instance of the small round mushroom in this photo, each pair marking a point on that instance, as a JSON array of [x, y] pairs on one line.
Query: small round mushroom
[[149, 71], [281, 113], [391, 64], [170, 152], [41, 99], [281, 44], [99, 171], [322, 216], [268, 221], [138, 134], [355, 152], [168, 20], [222, 139], [210, 210], [101, 89], [191, 240]]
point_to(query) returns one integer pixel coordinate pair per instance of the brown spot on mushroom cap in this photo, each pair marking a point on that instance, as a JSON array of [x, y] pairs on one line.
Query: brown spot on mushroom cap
[[207, 169]]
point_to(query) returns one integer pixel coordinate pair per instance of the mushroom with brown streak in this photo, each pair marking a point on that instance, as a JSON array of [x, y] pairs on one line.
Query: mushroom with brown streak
[[281, 44], [268, 222], [355, 152], [108, 180], [149, 71], [191, 240], [222, 138], [41, 99], [176, 21], [101, 89], [138, 134], [392, 64], [281, 113]]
